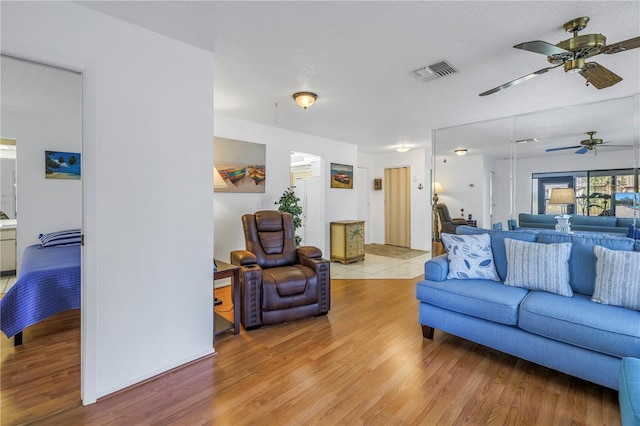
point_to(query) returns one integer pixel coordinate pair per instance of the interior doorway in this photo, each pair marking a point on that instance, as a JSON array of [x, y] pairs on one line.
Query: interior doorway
[[307, 183], [397, 206], [362, 188]]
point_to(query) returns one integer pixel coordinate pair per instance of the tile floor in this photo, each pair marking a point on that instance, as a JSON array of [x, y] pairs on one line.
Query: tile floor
[[7, 282], [380, 267]]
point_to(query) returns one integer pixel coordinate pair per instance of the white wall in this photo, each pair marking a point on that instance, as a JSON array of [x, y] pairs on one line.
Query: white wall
[[54, 124], [465, 183], [340, 204], [147, 153], [416, 159]]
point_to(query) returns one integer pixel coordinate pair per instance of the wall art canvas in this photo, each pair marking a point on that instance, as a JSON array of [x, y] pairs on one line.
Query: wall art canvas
[[61, 165], [241, 164], [341, 176]]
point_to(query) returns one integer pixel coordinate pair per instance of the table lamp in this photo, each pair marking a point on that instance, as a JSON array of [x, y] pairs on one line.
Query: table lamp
[[563, 197]]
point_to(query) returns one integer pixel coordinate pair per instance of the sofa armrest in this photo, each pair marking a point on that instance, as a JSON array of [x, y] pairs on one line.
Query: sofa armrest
[[309, 251], [437, 268], [243, 257], [459, 221]]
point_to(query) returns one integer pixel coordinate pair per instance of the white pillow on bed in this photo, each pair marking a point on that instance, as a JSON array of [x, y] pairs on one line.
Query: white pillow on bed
[[61, 238]]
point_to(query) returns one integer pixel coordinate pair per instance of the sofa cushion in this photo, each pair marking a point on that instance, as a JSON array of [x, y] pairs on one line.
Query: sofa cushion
[[582, 262], [629, 396], [538, 266], [497, 244], [579, 321], [617, 278], [489, 300], [470, 257], [595, 221]]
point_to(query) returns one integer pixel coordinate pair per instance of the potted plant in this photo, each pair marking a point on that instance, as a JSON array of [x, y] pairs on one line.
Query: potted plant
[[288, 203]]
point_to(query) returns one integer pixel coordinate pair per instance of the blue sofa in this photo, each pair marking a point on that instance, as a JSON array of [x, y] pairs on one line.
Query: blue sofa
[[629, 396], [608, 224], [570, 334]]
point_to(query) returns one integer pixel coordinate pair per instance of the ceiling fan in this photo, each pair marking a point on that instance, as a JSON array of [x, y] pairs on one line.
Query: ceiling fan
[[586, 145], [572, 53]]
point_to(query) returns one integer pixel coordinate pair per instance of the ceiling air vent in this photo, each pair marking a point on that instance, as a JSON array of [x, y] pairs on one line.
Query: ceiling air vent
[[433, 71]]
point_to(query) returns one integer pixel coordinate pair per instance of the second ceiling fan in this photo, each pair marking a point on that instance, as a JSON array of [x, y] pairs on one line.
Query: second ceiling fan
[[572, 53], [587, 145]]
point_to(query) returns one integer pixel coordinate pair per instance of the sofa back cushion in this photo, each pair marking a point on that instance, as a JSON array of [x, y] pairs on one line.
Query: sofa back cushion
[[497, 244], [582, 262]]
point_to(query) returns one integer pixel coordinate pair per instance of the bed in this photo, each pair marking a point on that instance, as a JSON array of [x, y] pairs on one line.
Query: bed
[[49, 283]]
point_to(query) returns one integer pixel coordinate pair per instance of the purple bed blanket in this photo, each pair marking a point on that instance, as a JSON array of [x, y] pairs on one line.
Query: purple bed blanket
[[49, 283]]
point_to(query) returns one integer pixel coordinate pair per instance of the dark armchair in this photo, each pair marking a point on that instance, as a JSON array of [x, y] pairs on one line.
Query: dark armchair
[[448, 225], [279, 282]]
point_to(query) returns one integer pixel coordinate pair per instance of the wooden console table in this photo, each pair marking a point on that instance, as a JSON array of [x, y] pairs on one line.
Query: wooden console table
[[221, 324]]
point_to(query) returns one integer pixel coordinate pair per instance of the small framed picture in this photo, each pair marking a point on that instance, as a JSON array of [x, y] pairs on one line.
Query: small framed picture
[[377, 184], [341, 176], [62, 165]]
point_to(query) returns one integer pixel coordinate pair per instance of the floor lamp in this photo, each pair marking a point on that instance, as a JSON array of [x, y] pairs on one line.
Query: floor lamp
[[437, 189]]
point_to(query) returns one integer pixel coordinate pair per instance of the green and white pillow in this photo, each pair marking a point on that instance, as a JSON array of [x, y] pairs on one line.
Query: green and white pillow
[[617, 278], [470, 257], [537, 266]]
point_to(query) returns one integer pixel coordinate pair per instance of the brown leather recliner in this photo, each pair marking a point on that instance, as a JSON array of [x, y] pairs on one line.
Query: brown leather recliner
[[279, 282], [448, 224]]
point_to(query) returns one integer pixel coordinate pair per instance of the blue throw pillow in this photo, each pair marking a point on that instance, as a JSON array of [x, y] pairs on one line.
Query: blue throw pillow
[[470, 257], [61, 238], [537, 266], [617, 278]]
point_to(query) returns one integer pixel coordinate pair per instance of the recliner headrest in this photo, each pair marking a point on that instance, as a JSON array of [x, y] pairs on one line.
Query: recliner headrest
[[269, 221]]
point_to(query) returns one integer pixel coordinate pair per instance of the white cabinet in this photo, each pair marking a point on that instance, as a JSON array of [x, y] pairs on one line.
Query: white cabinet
[[7, 251]]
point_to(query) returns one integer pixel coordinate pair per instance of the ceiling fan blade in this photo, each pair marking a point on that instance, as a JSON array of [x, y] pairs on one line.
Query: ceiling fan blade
[[599, 76], [518, 80], [632, 43], [582, 150], [542, 47], [560, 149]]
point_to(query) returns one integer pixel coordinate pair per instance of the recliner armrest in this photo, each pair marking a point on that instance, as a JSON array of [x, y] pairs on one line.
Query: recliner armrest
[[243, 257], [309, 251]]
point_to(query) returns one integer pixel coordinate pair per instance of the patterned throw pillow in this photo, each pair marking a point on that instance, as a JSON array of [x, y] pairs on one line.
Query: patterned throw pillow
[[617, 278], [470, 257], [538, 266], [61, 238]]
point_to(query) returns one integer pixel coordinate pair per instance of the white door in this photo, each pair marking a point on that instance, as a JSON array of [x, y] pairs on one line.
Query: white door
[[363, 188]]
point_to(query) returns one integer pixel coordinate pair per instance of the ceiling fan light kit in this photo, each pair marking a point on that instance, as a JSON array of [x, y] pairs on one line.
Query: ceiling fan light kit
[[573, 53], [305, 99]]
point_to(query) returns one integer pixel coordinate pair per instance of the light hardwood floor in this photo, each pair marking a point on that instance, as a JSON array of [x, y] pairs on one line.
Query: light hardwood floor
[[364, 363]]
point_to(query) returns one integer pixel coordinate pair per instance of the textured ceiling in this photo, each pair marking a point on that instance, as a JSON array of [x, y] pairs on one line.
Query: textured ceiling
[[357, 56]]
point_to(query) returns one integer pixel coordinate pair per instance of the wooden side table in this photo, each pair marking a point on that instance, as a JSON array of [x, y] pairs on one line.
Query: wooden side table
[[221, 324]]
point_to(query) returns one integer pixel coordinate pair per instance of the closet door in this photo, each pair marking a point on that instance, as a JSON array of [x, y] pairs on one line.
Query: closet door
[[397, 206]]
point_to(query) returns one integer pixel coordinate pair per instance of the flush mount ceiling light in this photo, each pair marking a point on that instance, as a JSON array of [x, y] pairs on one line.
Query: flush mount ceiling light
[[305, 99], [402, 148], [460, 151]]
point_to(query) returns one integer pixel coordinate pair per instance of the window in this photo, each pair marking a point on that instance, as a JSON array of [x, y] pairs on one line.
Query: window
[[598, 192]]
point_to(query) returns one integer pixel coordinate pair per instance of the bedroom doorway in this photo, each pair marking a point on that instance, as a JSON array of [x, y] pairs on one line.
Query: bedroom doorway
[[42, 108]]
